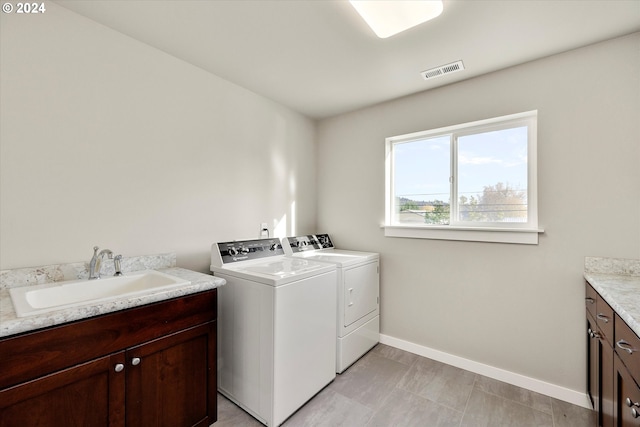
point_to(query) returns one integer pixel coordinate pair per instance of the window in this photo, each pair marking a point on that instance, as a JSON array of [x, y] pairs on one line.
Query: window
[[475, 181]]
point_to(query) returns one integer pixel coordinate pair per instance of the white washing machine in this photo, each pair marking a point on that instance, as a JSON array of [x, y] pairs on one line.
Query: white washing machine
[[276, 327], [358, 281]]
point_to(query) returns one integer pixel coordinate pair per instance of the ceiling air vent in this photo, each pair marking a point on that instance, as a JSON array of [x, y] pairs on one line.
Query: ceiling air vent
[[442, 70]]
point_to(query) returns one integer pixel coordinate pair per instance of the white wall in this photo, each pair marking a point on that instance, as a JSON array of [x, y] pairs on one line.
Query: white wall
[[107, 141], [515, 307]]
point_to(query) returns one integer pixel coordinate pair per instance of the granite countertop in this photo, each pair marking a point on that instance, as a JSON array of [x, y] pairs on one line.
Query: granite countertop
[[618, 282], [11, 324]]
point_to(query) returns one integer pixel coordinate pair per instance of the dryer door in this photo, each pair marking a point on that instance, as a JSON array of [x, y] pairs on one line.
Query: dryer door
[[361, 291]]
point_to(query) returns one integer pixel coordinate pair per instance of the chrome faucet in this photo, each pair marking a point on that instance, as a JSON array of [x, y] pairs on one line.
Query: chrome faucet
[[96, 262]]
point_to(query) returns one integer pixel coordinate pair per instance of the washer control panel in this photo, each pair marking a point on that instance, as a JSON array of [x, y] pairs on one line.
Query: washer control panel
[[243, 250]]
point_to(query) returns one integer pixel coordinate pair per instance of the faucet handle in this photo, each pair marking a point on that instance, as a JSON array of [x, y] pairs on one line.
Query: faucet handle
[[94, 265], [116, 265]]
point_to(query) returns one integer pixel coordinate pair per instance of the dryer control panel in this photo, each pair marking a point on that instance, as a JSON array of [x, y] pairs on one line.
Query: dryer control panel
[[324, 241], [309, 242], [243, 250]]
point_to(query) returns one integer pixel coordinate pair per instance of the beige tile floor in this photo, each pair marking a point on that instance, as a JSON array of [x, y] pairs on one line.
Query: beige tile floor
[[391, 387]]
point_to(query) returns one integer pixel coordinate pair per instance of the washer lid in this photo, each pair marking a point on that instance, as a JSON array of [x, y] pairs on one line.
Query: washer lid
[[275, 271], [283, 267]]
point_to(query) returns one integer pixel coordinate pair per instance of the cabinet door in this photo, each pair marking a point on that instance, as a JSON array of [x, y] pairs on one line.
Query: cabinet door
[[361, 291], [605, 321], [606, 383], [593, 363], [171, 381], [627, 397], [87, 395]]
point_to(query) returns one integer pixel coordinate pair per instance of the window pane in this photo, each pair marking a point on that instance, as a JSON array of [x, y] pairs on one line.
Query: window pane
[[492, 176], [421, 180]]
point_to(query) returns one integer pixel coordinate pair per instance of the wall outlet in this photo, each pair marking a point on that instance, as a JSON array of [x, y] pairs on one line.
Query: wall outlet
[[264, 229]]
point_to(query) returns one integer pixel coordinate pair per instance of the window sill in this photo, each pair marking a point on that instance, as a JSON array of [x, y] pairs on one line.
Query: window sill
[[523, 236]]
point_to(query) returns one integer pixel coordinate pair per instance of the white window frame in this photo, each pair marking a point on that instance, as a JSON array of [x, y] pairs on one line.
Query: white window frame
[[522, 233]]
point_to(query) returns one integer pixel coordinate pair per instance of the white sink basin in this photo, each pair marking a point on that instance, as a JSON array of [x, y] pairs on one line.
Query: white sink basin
[[38, 299]]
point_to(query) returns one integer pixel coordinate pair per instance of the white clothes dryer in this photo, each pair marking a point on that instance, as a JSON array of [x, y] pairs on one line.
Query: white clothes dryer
[[276, 323], [358, 302]]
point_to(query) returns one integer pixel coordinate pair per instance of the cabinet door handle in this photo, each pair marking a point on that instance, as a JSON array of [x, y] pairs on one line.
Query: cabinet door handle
[[590, 300], [135, 361], [593, 334], [602, 317], [633, 406], [622, 344], [119, 367], [350, 297], [630, 403]]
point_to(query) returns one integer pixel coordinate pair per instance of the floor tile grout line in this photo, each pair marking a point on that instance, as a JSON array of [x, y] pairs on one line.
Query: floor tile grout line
[[430, 400], [375, 410], [386, 398], [407, 369], [475, 381], [517, 403], [515, 386], [521, 388], [410, 367], [466, 404]]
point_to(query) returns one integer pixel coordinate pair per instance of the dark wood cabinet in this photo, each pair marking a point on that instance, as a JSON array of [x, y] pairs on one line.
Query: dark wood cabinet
[[90, 394], [627, 396], [613, 370], [606, 385], [594, 348], [168, 378], [149, 366], [626, 376], [600, 357]]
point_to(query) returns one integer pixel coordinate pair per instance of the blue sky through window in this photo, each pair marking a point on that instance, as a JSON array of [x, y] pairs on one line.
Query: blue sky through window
[[422, 167]]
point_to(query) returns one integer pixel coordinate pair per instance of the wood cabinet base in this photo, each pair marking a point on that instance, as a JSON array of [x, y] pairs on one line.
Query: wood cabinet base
[[152, 366], [613, 371]]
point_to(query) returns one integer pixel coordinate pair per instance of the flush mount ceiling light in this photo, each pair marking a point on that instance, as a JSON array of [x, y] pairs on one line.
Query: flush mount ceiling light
[[387, 18]]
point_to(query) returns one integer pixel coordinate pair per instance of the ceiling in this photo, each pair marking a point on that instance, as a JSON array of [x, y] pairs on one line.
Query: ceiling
[[318, 57]]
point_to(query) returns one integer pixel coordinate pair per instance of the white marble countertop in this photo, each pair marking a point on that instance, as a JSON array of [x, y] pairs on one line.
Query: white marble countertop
[[618, 282], [10, 324]]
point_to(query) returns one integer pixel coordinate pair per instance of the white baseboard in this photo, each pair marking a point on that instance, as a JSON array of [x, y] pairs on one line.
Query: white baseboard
[[558, 392]]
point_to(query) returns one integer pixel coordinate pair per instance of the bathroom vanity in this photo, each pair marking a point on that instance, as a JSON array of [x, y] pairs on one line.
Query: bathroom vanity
[[613, 344], [148, 366], [143, 363]]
